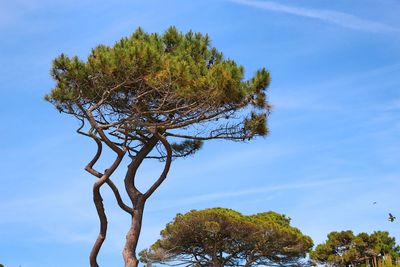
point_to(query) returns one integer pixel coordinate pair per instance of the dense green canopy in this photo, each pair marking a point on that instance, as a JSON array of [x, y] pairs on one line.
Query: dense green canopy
[[223, 237], [344, 249], [169, 81]]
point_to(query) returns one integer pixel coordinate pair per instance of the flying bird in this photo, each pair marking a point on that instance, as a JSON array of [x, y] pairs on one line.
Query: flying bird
[[391, 217], [374, 203]]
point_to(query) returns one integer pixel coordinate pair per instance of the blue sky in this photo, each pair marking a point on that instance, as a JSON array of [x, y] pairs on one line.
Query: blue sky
[[333, 150]]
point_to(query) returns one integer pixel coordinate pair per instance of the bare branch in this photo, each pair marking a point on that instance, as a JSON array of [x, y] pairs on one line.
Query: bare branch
[[89, 168], [129, 180], [166, 167]]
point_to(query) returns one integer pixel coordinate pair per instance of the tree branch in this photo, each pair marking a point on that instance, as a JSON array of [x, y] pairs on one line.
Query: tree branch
[[166, 167], [89, 168], [89, 115], [129, 180], [203, 138]]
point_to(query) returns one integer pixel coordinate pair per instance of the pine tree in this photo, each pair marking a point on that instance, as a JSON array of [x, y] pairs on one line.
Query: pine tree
[[154, 96], [222, 237]]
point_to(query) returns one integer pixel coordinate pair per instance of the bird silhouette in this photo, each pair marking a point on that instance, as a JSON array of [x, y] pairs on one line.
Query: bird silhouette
[[391, 217], [374, 203]]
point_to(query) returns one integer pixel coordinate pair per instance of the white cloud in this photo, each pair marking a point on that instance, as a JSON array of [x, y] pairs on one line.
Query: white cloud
[[335, 17], [245, 192]]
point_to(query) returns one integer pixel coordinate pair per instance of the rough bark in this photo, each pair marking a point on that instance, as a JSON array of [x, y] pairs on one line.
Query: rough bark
[[132, 237], [138, 199], [98, 201]]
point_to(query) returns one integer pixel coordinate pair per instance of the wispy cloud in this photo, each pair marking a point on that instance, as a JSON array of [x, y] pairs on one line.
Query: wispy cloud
[[318, 96], [339, 18], [25, 14], [246, 192]]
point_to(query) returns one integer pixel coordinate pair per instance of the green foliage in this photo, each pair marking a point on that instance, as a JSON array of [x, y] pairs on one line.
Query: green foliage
[[184, 59], [186, 147], [344, 248], [169, 81], [386, 243], [224, 237]]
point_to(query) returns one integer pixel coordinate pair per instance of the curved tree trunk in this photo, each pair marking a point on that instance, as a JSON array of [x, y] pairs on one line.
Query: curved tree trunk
[[132, 237], [98, 201]]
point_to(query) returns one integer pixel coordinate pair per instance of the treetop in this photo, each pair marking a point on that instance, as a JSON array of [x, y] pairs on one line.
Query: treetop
[[170, 81], [201, 235]]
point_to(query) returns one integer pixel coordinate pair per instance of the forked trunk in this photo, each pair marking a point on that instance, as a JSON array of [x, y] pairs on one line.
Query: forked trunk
[[132, 237], [138, 199]]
